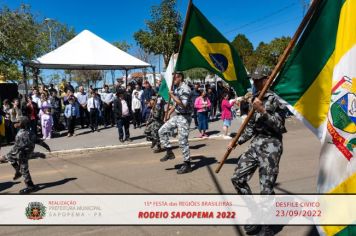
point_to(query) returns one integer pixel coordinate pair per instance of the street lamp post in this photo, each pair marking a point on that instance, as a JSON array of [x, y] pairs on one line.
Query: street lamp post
[[47, 20]]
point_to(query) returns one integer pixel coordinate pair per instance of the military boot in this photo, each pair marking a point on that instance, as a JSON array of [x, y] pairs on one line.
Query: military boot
[[157, 149], [266, 231], [29, 189], [169, 156], [17, 171], [186, 168], [252, 229], [153, 144]]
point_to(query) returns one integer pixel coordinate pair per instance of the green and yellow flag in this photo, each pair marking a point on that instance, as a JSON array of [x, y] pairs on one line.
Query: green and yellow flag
[[203, 46], [319, 84]]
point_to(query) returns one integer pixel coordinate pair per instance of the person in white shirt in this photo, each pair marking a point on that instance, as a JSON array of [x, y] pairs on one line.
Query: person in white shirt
[[36, 97], [136, 110], [107, 98], [93, 107], [138, 90], [82, 98]]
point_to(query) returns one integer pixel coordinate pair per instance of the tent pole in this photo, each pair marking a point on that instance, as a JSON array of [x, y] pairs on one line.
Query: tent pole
[[154, 76], [126, 72], [24, 78], [36, 77]]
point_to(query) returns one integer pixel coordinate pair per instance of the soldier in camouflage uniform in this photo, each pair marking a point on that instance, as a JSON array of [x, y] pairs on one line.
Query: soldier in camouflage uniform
[[155, 122], [265, 128], [20, 153], [183, 107]]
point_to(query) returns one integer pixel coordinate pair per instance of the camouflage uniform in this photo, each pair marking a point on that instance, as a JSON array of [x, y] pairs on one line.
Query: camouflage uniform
[[155, 123], [265, 149], [20, 154], [180, 120]]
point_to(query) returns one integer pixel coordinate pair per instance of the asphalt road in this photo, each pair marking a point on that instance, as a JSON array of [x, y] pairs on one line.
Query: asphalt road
[[138, 170]]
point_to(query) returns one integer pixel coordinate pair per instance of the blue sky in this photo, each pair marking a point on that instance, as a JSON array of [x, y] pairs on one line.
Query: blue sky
[[260, 20]]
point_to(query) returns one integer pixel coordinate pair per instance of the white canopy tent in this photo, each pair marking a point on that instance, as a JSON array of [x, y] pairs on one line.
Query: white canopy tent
[[87, 51]]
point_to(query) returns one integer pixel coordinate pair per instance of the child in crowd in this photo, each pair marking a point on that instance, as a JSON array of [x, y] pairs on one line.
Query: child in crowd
[[71, 112], [226, 114], [46, 123], [136, 110]]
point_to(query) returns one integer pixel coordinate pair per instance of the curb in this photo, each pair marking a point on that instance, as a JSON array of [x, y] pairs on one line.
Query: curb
[[121, 146]]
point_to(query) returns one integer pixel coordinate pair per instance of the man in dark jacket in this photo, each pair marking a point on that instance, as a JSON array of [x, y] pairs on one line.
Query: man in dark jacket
[[122, 113], [56, 110]]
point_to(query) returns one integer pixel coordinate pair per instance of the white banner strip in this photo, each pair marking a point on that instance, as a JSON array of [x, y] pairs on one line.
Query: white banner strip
[[177, 209]]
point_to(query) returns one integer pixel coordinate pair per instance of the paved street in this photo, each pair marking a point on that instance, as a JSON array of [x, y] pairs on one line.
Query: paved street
[[138, 170], [84, 138]]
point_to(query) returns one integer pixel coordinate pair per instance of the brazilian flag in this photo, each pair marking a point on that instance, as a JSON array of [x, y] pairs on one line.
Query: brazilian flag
[[203, 46]]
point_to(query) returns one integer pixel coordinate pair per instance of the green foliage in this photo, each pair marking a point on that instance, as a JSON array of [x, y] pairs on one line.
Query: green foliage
[[54, 34], [123, 45], [10, 71], [266, 54], [18, 39], [196, 74], [86, 77], [24, 38], [245, 50], [243, 46], [162, 36]]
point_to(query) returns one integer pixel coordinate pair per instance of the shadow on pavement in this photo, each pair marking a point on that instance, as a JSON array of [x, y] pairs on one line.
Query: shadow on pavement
[[38, 155], [82, 133], [7, 185], [197, 146], [138, 137], [202, 161], [231, 161], [277, 186], [212, 132], [53, 184], [218, 187]]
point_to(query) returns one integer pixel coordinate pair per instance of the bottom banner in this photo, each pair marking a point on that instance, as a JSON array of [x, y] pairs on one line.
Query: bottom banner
[[177, 209]]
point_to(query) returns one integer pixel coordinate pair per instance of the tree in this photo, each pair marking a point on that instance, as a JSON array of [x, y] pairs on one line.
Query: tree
[[54, 34], [24, 38], [277, 47], [123, 45], [162, 36], [146, 57], [18, 39], [268, 54], [262, 54], [245, 50], [243, 46], [85, 77], [197, 74]]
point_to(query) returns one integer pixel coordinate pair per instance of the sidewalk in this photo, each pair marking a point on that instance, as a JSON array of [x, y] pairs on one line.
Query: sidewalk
[[85, 139]]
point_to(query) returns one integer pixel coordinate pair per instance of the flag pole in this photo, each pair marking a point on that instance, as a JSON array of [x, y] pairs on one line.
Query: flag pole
[[187, 18], [274, 73]]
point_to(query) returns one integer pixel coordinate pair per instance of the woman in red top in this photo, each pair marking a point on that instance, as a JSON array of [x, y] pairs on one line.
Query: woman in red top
[[226, 114]]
